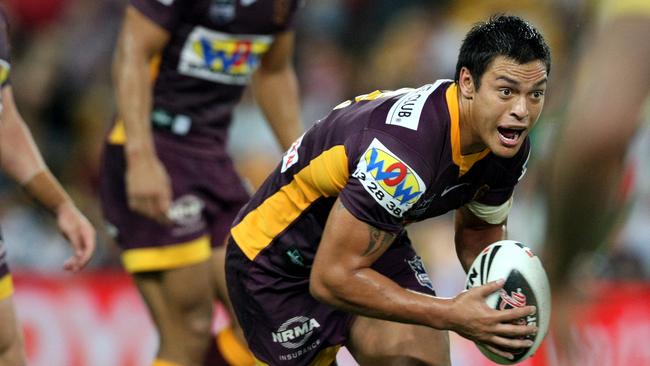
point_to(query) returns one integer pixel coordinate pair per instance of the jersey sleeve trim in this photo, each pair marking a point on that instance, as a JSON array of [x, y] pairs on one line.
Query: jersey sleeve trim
[[464, 162]]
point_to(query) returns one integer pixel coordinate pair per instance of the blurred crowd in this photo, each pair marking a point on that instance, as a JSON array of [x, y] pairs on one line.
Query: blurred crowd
[[62, 51]]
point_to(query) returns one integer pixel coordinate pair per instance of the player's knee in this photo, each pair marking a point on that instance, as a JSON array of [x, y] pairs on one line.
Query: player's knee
[[11, 352]]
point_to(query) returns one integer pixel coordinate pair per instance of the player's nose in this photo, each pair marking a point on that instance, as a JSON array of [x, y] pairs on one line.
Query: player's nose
[[519, 108]]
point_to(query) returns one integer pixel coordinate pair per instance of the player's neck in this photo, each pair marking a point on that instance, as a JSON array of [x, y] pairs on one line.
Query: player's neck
[[469, 143]]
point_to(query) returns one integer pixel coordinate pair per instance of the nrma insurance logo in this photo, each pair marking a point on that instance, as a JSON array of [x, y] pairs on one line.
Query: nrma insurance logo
[[222, 57], [390, 181]]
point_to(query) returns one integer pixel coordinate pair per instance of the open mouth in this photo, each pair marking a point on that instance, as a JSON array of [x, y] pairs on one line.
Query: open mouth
[[510, 136]]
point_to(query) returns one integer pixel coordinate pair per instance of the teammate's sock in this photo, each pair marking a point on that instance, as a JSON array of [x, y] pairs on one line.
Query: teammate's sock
[[232, 350], [159, 362]]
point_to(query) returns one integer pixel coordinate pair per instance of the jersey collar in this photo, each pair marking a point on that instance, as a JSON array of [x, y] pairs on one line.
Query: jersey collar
[[464, 162]]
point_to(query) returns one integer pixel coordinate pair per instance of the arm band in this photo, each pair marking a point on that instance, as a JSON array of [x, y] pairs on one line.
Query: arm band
[[490, 214]]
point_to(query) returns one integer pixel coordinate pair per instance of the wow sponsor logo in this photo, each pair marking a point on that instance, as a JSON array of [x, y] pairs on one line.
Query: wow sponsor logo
[[222, 57], [390, 181]]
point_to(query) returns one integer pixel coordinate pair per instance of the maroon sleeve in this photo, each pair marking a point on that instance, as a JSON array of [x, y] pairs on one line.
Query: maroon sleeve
[[386, 179]]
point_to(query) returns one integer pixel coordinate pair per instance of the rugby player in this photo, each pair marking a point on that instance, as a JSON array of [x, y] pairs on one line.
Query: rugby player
[[320, 257], [21, 160], [168, 187]]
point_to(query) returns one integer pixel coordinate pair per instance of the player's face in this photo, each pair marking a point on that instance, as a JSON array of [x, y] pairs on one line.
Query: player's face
[[508, 104]]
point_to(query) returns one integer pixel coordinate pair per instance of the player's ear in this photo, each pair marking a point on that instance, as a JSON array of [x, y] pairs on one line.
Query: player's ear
[[466, 83]]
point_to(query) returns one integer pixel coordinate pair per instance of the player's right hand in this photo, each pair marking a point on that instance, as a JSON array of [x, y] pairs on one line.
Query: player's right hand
[[148, 188], [472, 318]]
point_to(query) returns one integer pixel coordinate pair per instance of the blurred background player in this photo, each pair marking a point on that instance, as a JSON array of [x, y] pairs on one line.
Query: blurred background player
[[169, 189], [604, 115], [320, 257], [22, 162]]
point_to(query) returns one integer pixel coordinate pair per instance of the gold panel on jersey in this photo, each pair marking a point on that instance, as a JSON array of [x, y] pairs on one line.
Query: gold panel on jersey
[[324, 176], [167, 257], [464, 162], [6, 287]]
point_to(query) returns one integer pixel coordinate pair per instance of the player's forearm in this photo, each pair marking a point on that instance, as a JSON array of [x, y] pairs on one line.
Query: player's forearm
[[368, 293], [472, 236], [133, 88], [47, 191], [19, 156], [276, 92]]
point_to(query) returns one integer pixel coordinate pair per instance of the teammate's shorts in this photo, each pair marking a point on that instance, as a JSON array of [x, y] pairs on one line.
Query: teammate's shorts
[[207, 194], [284, 324], [6, 284]]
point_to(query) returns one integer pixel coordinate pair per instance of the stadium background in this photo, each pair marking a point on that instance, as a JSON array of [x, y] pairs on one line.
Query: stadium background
[[62, 51]]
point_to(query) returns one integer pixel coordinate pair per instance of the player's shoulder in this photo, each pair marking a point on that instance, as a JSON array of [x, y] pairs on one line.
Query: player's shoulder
[[415, 119]]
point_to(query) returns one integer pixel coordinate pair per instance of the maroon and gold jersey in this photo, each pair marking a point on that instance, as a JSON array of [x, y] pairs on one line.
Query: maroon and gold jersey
[[214, 48], [391, 157]]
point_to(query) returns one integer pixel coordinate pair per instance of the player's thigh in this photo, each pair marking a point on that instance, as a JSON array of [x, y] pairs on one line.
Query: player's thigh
[[11, 344], [380, 342], [178, 295]]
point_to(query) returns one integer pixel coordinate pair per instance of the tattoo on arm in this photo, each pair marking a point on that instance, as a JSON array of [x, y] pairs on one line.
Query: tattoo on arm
[[378, 239]]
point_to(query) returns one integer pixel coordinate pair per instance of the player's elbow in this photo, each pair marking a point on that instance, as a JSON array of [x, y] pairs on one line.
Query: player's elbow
[[323, 286]]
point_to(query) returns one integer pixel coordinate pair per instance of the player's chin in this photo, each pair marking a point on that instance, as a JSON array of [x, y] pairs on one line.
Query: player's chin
[[506, 151]]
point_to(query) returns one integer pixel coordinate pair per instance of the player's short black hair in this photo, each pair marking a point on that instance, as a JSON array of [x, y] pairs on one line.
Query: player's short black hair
[[501, 35]]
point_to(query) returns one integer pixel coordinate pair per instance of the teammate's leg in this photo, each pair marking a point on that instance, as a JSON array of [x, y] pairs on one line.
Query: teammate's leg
[[180, 302], [11, 340], [230, 342], [382, 343]]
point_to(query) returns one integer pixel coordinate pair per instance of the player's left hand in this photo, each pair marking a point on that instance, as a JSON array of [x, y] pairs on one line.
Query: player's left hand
[[79, 232]]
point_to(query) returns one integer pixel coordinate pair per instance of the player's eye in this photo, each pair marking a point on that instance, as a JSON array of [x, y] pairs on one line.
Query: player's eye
[[505, 92], [538, 94]]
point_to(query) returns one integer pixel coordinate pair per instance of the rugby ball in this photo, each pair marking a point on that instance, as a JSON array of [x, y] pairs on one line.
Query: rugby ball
[[526, 283]]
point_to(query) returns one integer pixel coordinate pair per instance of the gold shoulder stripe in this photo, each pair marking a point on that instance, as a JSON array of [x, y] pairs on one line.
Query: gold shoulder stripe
[[325, 176]]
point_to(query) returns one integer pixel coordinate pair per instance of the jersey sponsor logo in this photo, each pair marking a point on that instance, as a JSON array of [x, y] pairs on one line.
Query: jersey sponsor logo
[[420, 272], [222, 57], [449, 189], [222, 11], [186, 210], [291, 156], [407, 110], [390, 181], [295, 332]]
